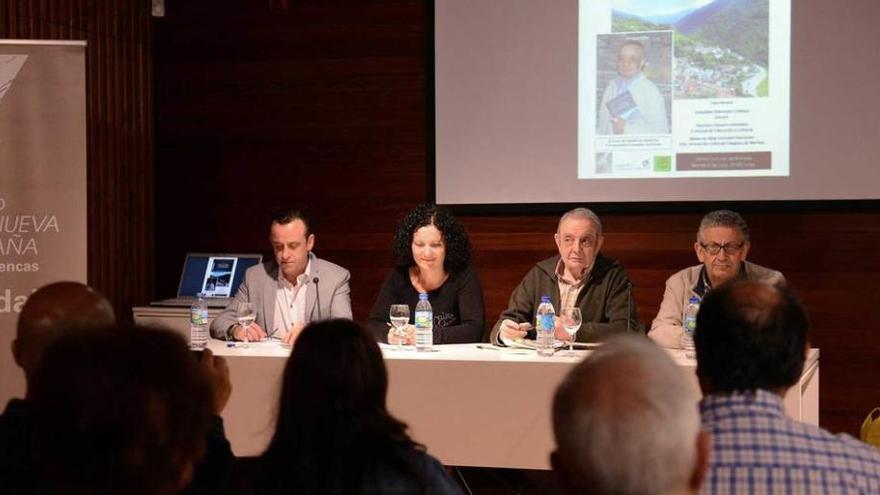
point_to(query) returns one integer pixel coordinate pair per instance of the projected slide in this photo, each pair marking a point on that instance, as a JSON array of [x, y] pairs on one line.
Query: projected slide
[[683, 88]]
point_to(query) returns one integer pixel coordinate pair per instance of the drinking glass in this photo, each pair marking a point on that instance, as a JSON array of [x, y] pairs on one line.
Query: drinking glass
[[244, 313], [399, 315], [571, 321]]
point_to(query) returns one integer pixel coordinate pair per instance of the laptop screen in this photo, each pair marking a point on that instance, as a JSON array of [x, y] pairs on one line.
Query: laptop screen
[[215, 275]]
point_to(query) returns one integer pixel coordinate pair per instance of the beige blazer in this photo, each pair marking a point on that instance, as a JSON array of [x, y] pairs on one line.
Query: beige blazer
[[260, 286], [666, 329]]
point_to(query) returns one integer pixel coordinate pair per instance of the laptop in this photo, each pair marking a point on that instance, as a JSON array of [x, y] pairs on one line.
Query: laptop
[[217, 276]]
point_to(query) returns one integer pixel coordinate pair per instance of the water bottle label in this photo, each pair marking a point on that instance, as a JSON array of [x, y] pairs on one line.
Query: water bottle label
[[545, 322], [423, 319], [195, 316], [690, 324]]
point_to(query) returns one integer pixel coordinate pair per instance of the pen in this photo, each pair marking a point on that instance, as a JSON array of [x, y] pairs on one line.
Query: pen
[[488, 347]]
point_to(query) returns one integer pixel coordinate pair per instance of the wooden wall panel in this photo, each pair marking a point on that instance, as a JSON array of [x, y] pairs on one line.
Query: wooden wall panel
[[323, 105], [120, 131]]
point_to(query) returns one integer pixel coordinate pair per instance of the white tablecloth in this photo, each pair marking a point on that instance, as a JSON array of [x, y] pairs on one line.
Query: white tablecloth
[[469, 406]]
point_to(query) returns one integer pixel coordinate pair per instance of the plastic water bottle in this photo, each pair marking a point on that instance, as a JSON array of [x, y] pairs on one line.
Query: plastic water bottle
[[690, 324], [198, 323], [544, 322], [424, 324]]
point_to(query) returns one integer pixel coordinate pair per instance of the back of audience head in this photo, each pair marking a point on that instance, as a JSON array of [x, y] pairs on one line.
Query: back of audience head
[[120, 410], [53, 311], [626, 421], [750, 336], [332, 416]]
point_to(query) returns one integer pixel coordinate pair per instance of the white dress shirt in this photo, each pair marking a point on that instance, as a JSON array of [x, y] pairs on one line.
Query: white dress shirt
[[290, 302]]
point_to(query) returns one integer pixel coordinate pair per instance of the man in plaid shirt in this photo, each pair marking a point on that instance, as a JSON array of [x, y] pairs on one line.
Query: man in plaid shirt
[[751, 342]]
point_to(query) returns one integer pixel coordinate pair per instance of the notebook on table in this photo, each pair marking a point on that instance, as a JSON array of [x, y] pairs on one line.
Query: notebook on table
[[217, 276]]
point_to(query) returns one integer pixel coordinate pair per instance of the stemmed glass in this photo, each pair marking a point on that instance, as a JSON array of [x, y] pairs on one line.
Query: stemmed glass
[[399, 315], [571, 321], [244, 313]]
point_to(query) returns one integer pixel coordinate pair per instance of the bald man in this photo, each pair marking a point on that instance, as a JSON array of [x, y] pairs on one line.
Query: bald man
[[62, 308], [626, 421], [50, 313], [647, 114]]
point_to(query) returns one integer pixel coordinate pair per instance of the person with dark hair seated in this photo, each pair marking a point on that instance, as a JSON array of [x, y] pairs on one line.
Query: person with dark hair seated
[[432, 255], [334, 433], [289, 291], [751, 341], [123, 411]]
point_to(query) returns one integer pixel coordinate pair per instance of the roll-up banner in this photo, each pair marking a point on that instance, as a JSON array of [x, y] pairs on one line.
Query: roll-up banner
[[42, 179]]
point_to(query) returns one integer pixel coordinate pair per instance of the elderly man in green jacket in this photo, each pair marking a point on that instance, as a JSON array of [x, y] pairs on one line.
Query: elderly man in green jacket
[[579, 276]]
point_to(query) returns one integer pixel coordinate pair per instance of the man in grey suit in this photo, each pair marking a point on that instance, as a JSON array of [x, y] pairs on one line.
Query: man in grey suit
[[290, 291]]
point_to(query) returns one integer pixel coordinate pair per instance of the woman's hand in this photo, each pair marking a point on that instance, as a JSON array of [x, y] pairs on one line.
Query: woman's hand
[[409, 335]]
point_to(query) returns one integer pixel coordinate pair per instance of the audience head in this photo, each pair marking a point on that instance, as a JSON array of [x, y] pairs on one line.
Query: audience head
[[750, 336], [626, 421], [332, 418], [53, 311], [630, 59], [579, 239], [292, 240], [335, 380], [722, 244], [123, 410], [430, 237]]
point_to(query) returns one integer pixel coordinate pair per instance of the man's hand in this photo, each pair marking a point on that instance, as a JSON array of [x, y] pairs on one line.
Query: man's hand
[[618, 125], [255, 332], [513, 330], [559, 331], [409, 335], [217, 372], [293, 333]]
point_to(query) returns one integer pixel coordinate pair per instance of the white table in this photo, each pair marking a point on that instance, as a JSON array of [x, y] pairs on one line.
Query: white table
[[468, 406]]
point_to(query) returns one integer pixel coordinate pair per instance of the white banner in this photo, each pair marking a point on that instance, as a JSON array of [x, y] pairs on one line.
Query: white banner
[[42, 179]]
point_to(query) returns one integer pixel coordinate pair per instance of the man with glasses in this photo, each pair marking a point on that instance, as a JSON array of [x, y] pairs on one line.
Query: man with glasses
[[722, 246]]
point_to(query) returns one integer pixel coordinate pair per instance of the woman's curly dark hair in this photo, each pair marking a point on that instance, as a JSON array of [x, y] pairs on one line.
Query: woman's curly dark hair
[[458, 246]]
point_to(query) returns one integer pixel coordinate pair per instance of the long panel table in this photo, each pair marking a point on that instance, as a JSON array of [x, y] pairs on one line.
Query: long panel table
[[171, 318], [469, 406]]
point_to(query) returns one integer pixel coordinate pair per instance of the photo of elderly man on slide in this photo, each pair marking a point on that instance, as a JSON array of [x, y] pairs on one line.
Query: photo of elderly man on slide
[[631, 103]]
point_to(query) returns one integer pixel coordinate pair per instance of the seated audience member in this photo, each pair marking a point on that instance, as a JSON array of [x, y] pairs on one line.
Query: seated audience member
[[123, 410], [626, 421], [722, 245], [291, 290], [50, 312], [578, 276], [334, 433], [432, 253], [751, 343]]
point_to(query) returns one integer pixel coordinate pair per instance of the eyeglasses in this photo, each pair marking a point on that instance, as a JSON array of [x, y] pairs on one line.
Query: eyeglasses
[[729, 248], [586, 242]]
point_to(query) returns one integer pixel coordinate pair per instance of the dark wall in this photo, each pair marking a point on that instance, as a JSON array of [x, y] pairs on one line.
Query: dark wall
[[119, 110], [323, 105]]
